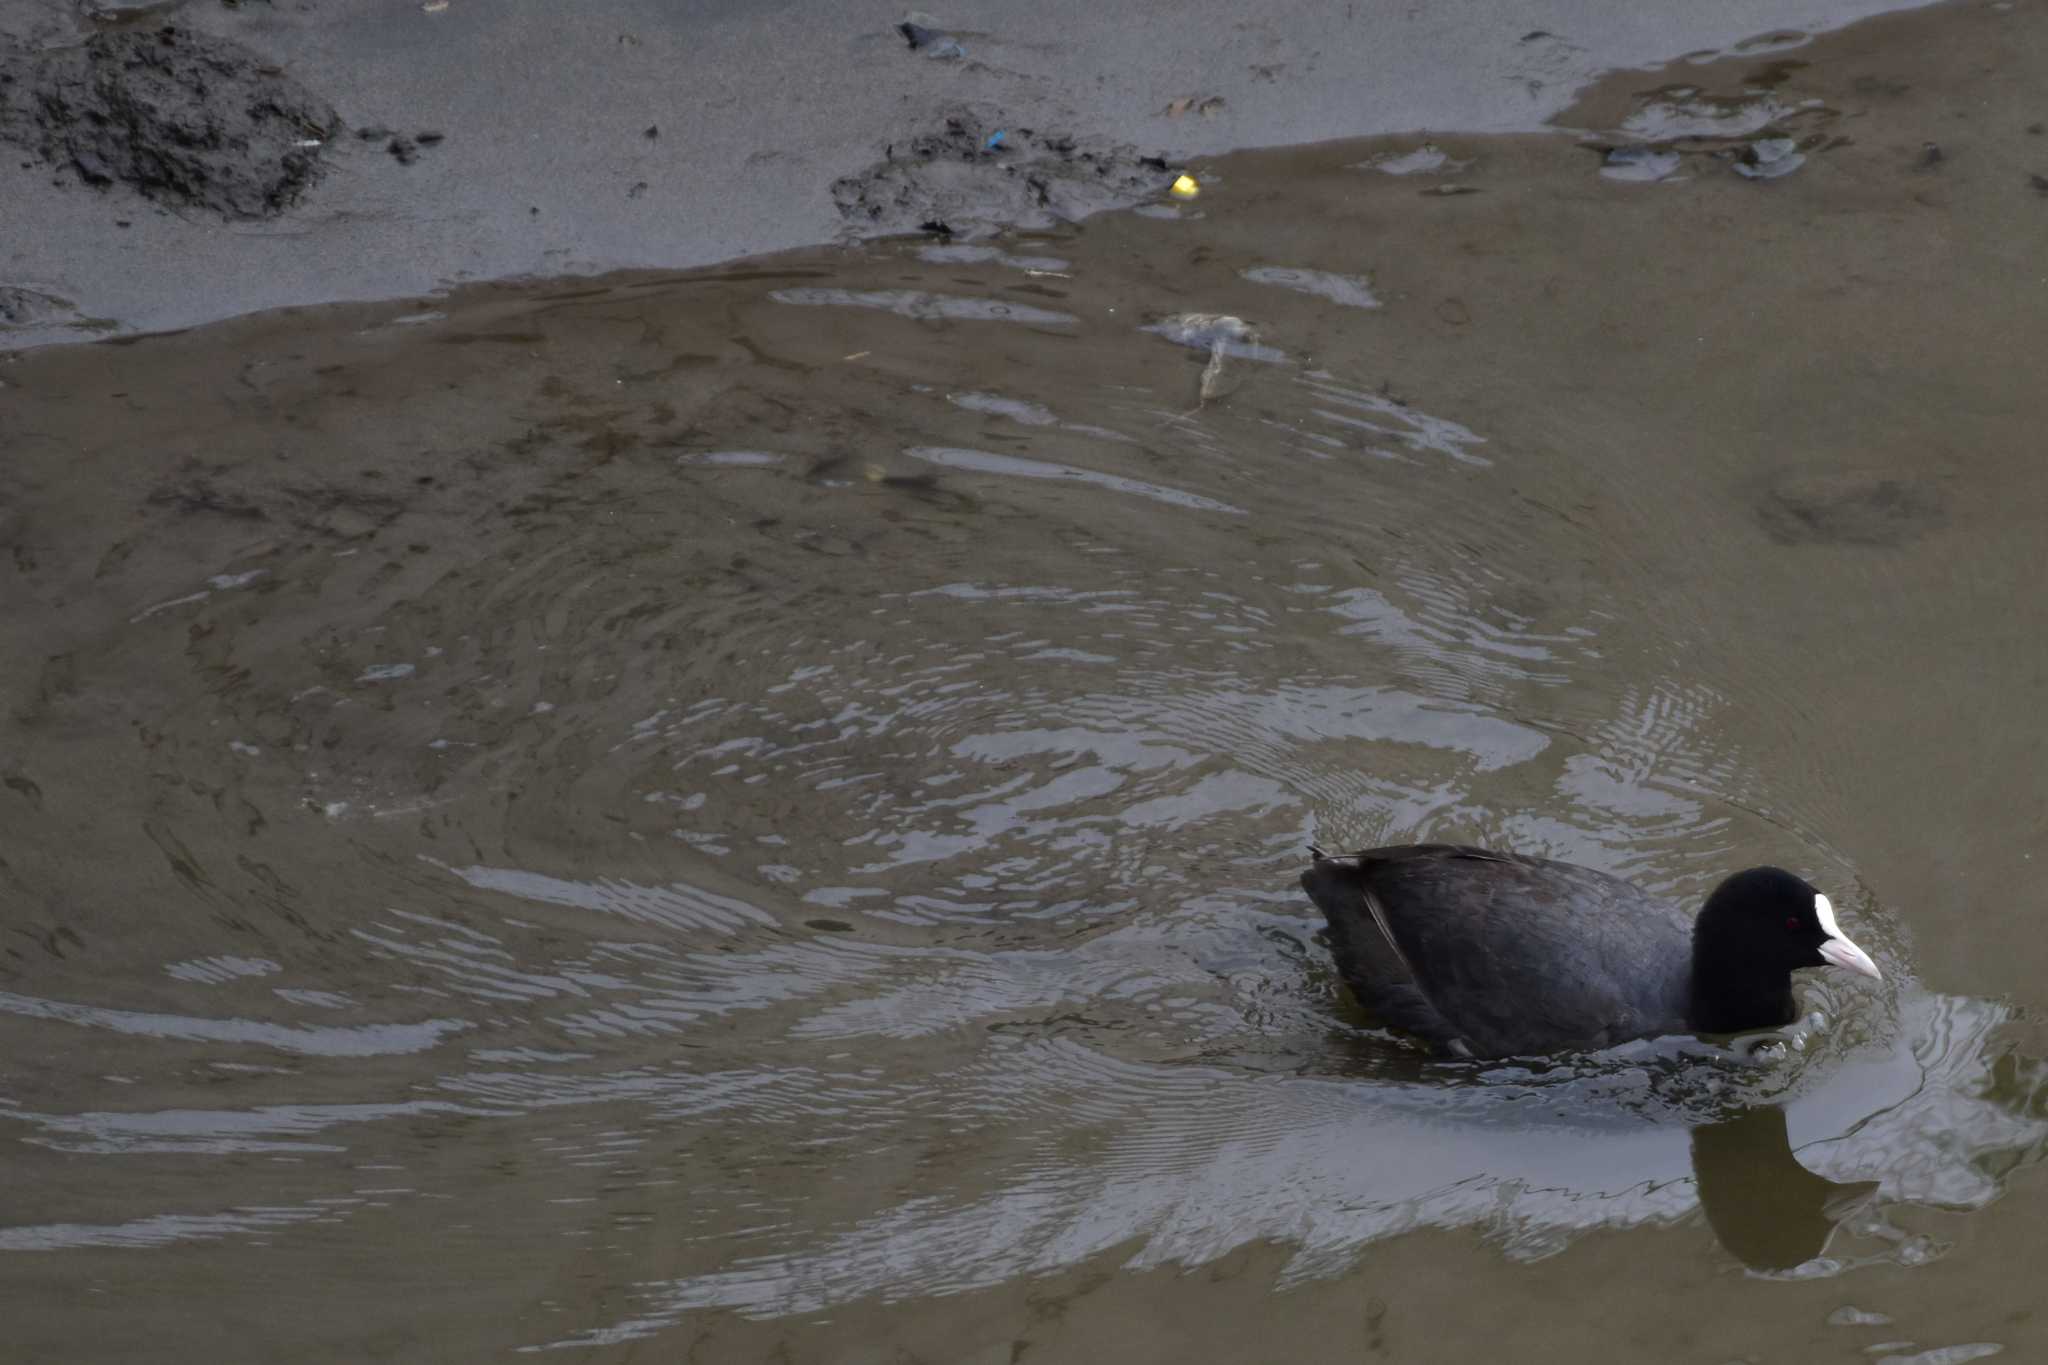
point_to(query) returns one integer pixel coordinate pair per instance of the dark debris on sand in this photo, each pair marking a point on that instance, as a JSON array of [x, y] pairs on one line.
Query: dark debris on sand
[[184, 119], [975, 174]]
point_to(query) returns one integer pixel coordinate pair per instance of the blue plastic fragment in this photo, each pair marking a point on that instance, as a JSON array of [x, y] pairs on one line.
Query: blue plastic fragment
[[995, 139]]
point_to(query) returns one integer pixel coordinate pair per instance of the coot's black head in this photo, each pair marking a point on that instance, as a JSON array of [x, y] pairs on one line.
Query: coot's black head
[[1758, 928]]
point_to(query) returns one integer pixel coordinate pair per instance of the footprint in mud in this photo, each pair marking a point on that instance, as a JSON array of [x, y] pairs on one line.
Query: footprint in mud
[[1849, 507]]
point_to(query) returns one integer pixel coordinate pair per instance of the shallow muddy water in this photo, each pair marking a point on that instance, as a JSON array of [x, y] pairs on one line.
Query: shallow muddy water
[[754, 815]]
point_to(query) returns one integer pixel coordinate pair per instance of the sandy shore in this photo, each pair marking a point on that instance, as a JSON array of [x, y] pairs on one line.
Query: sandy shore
[[651, 135]]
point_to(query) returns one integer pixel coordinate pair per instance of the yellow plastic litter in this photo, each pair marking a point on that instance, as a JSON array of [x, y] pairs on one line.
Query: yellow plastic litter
[[1186, 187]]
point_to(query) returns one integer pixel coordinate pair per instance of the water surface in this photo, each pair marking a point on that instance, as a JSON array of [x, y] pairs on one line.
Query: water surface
[[755, 814]]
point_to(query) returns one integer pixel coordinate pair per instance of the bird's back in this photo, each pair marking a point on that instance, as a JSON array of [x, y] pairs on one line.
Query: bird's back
[[1495, 954]]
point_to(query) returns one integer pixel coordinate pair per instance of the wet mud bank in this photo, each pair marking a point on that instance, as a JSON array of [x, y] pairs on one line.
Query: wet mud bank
[[669, 138]]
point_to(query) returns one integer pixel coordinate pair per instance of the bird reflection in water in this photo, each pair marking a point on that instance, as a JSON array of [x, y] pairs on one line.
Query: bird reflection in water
[[1768, 1211]]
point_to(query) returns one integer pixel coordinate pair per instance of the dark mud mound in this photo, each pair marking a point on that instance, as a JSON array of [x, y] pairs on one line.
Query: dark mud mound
[[1849, 507], [974, 175], [179, 117]]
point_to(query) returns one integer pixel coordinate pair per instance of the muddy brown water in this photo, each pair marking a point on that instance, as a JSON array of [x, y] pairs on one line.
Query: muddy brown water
[[753, 815]]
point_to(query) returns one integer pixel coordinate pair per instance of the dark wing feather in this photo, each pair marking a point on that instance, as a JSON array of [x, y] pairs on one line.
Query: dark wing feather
[[1510, 954], [1368, 956]]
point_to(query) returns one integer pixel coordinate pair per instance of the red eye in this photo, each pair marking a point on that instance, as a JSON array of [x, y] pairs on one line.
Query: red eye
[[1792, 924]]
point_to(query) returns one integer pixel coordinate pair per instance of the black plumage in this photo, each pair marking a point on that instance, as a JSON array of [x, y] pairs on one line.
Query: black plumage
[[1493, 954]]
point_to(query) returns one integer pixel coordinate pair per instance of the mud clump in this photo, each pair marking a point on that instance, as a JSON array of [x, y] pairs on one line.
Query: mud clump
[[974, 176], [1849, 507], [22, 307], [183, 119]]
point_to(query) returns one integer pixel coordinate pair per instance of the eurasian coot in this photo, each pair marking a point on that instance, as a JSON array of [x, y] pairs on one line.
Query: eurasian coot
[[1492, 954]]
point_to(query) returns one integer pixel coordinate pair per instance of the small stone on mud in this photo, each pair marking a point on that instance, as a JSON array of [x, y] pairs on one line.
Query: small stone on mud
[[924, 35], [1639, 163], [1770, 157]]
